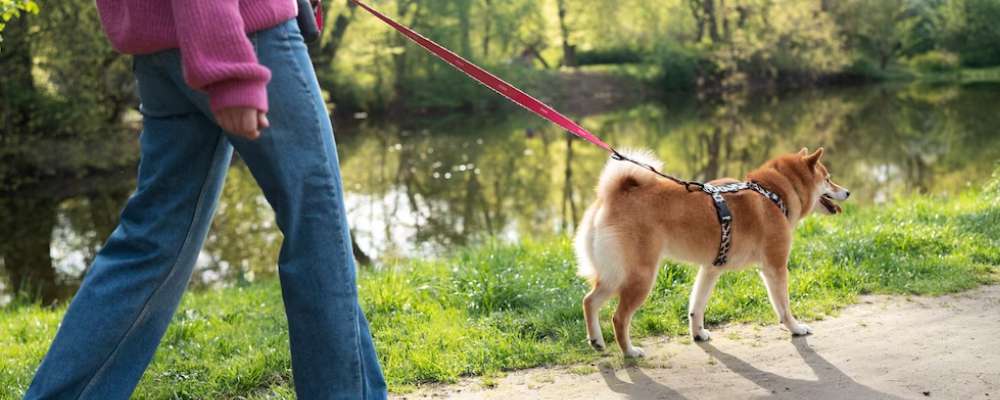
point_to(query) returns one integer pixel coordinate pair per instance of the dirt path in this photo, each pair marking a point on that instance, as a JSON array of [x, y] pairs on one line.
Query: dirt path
[[884, 348]]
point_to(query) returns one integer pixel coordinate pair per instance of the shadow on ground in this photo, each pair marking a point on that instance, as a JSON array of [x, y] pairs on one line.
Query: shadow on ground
[[831, 382], [641, 387]]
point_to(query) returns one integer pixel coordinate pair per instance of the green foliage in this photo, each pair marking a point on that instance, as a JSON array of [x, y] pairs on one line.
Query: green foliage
[[756, 42], [499, 307], [69, 106], [10, 9], [934, 62], [970, 28], [793, 37], [874, 28]]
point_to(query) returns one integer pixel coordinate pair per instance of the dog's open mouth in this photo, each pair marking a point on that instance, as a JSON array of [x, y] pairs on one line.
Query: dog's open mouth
[[827, 202]]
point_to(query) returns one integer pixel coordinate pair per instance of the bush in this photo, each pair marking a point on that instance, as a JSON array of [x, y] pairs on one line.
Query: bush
[[934, 62], [970, 28], [608, 56], [680, 67]]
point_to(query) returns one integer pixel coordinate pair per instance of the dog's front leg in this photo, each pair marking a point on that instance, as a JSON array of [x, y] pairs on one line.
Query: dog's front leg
[[703, 285], [775, 277]]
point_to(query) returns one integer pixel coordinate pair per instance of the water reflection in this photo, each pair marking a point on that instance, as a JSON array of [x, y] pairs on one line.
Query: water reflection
[[49, 234], [419, 188]]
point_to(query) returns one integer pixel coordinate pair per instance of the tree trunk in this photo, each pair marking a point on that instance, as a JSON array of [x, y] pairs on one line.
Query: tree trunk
[[326, 53], [696, 12], [17, 86], [725, 20], [465, 26], [708, 6], [487, 25], [569, 51], [399, 60]]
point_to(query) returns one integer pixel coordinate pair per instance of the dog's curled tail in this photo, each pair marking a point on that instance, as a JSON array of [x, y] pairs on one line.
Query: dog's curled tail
[[619, 175]]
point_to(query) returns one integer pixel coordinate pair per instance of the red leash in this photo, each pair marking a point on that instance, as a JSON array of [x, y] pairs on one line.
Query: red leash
[[509, 91]]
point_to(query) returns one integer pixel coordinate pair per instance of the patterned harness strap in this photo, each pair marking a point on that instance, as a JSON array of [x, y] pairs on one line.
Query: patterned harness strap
[[726, 216]]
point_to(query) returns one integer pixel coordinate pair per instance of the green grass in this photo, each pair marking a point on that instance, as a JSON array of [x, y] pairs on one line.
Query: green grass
[[501, 307]]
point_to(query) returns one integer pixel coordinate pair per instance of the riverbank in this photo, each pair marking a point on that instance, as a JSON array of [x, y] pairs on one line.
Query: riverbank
[[593, 89], [499, 307]]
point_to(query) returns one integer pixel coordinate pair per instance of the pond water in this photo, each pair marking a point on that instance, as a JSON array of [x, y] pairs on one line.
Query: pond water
[[420, 188]]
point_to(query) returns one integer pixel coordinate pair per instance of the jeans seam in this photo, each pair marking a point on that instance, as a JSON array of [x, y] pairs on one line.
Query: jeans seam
[[199, 206], [300, 76]]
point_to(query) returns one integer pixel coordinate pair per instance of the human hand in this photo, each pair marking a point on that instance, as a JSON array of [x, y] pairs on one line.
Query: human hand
[[246, 122]]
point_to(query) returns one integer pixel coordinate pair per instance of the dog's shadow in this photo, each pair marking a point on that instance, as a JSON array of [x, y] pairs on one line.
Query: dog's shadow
[[642, 386], [831, 382]]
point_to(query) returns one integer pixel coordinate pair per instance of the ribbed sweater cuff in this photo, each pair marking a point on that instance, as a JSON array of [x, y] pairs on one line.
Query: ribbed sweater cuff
[[238, 93]]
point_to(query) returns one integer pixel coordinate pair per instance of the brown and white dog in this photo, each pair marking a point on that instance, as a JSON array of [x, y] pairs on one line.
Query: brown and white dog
[[639, 218]]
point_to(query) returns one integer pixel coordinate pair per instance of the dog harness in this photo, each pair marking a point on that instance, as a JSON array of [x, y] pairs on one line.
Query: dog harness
[[726, 216]]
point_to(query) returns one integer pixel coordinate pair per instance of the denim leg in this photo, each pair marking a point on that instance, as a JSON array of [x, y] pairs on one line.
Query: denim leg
[[116, 320], [295, 163]]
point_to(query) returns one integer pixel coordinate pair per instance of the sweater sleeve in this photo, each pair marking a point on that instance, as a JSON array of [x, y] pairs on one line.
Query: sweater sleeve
[[217, 55]]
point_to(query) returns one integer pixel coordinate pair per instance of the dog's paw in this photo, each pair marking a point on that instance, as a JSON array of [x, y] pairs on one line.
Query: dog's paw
[[703, 335], [800, 330], [597, 344], [634, 352]]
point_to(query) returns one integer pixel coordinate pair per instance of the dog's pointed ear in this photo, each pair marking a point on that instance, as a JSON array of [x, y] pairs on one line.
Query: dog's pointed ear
[[813, 159], [804, 152]]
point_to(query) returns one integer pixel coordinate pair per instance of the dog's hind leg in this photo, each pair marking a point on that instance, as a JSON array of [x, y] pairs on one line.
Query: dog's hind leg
[[632, 295], [776, 279], [592, 304], [703, 285]]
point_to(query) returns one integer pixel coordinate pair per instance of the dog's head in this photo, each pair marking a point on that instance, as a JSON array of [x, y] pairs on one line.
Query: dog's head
[[823, 190]]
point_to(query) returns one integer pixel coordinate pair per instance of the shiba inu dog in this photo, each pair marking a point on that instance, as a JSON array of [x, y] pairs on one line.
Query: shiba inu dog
[[638, 219]]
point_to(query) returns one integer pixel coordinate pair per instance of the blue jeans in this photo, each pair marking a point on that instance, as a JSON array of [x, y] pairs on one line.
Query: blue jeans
[[116, 320]]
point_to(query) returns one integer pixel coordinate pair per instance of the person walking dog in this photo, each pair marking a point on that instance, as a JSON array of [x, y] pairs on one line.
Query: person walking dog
[[215, 76]]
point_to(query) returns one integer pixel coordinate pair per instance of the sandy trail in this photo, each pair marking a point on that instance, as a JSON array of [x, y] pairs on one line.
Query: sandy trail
[[883, 348]]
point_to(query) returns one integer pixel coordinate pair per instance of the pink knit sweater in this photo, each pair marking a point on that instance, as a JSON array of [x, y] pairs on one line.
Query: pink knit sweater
[[217, 55]]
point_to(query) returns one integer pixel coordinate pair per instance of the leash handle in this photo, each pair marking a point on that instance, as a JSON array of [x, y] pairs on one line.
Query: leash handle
[[491, 81]]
